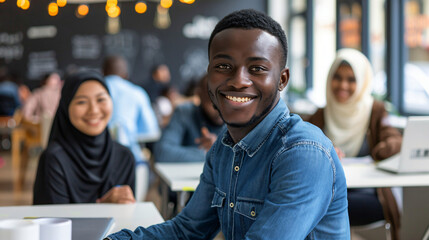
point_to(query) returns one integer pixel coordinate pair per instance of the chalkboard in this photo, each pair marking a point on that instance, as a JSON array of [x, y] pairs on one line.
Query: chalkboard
[[33, 43]]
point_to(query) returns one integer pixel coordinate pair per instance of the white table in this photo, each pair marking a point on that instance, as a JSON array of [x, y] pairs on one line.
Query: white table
[[127, 216], [179, 177], [415, 194]]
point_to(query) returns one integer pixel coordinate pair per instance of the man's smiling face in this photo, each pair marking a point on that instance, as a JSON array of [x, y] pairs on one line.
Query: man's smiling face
[[245, 75]]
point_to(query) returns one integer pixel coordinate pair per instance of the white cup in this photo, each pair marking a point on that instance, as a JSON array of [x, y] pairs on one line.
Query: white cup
[[55, 228], [19, 229]]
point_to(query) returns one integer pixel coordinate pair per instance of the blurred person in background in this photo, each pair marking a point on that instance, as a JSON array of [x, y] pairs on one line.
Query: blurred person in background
[[358, 126], [82, 163], [133, 119], [43, 100]]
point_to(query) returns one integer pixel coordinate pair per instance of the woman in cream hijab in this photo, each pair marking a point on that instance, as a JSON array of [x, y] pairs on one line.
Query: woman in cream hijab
[[357, 126]]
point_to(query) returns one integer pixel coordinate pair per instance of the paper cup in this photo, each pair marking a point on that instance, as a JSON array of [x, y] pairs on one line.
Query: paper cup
[[19, 229], [55, 228]]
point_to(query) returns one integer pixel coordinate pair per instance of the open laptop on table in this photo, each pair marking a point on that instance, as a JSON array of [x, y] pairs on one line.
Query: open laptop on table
[[414, 155]]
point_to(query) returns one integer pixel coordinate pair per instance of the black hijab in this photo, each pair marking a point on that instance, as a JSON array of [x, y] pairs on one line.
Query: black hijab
[[89, 152], [88, 164]]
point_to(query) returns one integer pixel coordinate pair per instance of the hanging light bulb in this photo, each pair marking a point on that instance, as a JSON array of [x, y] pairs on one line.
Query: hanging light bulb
[[114, 12], [111, 3], [26, 5], [61, 3], [20, 3], [187, 1], [2, 1], [140, 7], [82, 10], [52, 9], [162, 18], [166, 3]]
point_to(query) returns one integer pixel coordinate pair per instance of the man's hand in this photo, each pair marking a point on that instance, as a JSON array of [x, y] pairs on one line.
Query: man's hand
[[118, 194], [206, 140]]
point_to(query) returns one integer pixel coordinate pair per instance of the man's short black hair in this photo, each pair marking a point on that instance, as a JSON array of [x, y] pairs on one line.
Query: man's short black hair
[[250, 19]]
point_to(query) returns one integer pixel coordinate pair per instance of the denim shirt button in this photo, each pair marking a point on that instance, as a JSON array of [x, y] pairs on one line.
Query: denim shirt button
[[236, 168], [253, 213], [231, 205]]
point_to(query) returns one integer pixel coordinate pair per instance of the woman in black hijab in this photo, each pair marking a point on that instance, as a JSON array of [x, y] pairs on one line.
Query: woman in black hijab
[[82, 164]]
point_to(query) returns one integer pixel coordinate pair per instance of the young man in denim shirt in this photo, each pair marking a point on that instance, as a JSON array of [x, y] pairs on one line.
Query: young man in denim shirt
[[270, 175]]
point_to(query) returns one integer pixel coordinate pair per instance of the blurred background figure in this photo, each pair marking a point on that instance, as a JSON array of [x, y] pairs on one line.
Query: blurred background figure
[[9, 93], [82, 163], [357, 125], [159, 81], [162, 95], [33, 123], [43, 100], [133, 121], [191, 131]]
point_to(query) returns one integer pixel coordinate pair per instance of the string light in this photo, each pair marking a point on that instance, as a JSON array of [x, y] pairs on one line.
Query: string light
[[114, 12], [187, 1], [140, 7], [26, 5], [82, 10], [20, 3], [2, 1], [111, 3], [61, 3], [52, 9], [166, 3]]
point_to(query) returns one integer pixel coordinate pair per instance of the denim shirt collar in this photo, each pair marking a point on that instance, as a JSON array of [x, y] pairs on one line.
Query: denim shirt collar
[[256, 138]]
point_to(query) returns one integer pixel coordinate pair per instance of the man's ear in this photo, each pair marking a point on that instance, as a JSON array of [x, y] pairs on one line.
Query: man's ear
[[284, 79]]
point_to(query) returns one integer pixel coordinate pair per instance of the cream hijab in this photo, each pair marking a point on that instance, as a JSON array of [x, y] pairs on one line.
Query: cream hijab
[[346, 124]]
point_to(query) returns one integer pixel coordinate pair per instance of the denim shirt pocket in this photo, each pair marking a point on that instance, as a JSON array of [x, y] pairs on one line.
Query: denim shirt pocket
[[218, 198], [218, 202], [249, 208]]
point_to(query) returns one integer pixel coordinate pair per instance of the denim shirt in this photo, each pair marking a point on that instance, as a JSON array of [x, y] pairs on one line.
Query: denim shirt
[[282, 181], [177, 143]]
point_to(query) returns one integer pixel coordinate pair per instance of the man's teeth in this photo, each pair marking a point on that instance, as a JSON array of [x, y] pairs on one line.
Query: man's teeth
[[238, 99]]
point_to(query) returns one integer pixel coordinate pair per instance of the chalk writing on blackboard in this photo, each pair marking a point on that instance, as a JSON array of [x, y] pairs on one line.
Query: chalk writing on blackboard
[[40, 63], [36, 32], [11, 47], [201, 27], [194, 64], [123, 43], [152, 54], [86, 46]]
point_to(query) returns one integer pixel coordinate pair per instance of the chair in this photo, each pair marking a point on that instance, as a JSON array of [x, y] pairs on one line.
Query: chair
[[25, 137], [390, 210], [391, 223]]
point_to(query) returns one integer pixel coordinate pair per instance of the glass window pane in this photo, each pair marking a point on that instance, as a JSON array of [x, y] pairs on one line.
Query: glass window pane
[[350, 24], [377, 39], [416, 71]]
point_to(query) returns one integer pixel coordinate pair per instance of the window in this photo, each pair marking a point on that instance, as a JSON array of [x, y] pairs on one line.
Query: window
[[416, 69]]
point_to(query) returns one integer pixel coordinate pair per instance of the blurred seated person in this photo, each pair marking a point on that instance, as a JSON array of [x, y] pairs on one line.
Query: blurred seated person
[[44, 100], [191, 131], [82, 164], [159, 81], [357, 125], [133, 119], [9, 93]]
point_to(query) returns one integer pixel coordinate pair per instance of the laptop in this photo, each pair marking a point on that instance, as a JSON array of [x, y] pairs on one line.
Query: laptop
[[414, 155], [91, 228]]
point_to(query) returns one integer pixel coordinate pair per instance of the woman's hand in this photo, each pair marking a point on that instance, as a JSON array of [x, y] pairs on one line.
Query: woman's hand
[[118, 194]]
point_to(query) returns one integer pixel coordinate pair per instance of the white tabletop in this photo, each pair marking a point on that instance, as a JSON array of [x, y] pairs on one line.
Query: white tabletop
[[363, 175], [180, 176], [127, 216]]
